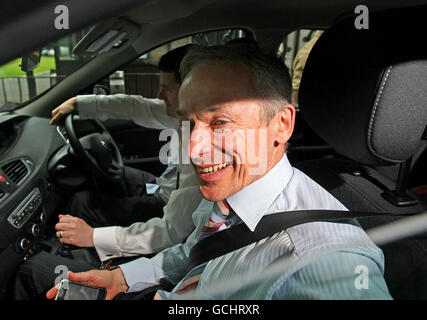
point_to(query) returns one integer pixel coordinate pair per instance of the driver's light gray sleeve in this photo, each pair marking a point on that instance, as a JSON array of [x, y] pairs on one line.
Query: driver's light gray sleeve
[[150, 113], [154, 235], [104, 240]]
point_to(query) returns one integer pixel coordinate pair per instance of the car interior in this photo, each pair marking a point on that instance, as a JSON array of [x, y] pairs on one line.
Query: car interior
[[361, 115]]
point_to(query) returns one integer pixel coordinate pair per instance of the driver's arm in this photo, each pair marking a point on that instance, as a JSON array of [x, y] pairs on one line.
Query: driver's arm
[[154, 235], [150, 113]]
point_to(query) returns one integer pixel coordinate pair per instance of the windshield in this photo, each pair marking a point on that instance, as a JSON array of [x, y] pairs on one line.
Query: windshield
[[57, 62]]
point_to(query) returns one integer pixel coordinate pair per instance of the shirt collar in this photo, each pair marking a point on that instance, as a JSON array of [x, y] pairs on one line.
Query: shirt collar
[[252, 202]]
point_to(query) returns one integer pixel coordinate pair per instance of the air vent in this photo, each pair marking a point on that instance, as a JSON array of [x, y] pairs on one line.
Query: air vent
[[2, 194], [15, 171]]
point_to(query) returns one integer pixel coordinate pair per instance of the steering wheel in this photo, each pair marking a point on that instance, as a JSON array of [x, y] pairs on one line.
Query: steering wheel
[[97, 151]]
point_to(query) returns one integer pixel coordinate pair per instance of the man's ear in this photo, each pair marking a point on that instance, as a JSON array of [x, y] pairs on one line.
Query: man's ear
[[284, 122]]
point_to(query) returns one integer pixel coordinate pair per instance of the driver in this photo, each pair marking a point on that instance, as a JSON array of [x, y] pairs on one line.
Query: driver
[[98, 219]]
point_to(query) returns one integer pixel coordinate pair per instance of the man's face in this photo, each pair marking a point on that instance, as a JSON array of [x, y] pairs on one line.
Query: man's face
[[169, 92], [231, 146]]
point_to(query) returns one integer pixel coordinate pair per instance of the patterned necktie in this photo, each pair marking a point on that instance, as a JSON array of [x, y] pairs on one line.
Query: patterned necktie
[[221, 218]]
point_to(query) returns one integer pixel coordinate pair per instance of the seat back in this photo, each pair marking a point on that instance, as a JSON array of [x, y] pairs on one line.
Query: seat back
[[364, 92]]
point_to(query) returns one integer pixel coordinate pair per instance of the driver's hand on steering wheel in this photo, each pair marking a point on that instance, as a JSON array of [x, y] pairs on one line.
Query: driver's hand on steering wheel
[[75, 231], [59, 113]]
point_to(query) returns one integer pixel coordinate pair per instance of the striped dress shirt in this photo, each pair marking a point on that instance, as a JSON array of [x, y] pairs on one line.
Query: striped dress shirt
[[309, 274]]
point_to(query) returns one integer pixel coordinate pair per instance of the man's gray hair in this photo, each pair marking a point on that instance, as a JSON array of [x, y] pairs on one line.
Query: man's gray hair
[[269, 75]]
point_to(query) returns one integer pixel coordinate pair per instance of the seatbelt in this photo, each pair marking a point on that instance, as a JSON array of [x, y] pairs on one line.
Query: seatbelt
[[239, 236]]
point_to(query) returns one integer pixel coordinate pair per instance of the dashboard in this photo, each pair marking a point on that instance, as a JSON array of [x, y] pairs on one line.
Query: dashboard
[[27, 194]]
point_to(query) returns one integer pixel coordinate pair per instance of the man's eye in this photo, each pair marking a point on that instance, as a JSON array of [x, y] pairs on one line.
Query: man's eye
[[220, 122]]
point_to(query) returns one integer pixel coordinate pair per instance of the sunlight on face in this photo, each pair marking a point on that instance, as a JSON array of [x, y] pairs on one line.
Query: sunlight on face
[[230, 145]]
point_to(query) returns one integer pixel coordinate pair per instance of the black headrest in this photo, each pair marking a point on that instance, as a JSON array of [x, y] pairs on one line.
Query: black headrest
[[365, 91]]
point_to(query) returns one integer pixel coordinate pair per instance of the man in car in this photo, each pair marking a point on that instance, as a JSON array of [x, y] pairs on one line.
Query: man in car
[[100, 209], [241, 94], [122, 225]]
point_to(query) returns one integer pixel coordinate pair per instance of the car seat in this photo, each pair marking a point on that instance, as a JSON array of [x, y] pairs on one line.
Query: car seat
[[364, 92]]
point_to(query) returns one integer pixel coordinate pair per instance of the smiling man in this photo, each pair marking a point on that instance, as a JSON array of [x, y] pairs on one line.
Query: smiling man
[[228, 101], [230, 90]]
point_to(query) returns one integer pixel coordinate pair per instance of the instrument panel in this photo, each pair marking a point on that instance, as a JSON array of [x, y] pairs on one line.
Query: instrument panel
[[28, 198]]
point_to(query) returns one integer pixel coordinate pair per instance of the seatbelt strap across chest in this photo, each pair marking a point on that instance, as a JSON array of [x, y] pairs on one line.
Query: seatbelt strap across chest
[[239, 236]]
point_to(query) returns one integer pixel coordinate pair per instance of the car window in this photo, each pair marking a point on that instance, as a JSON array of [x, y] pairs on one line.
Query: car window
[[57, 61], [141, 77], [294, 51]]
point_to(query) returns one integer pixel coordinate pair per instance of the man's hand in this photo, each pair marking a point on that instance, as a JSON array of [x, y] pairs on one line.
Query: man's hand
[[63, 110], [76, 231], [113, 281]]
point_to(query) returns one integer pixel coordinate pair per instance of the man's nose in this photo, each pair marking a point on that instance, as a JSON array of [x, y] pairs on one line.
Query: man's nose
[[161, 94], [201, 144]]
